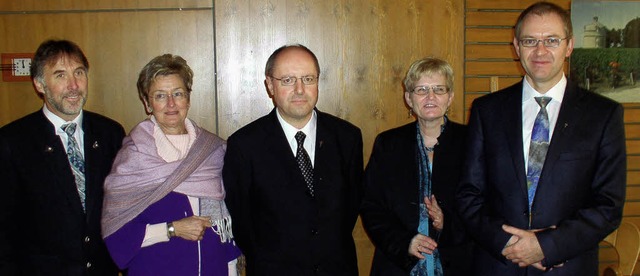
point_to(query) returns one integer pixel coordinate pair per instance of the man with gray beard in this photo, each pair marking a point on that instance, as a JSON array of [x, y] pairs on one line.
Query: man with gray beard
[[52, 164]]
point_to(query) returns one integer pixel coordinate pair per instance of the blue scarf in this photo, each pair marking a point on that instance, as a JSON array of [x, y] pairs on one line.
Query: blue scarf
[[430, 265]]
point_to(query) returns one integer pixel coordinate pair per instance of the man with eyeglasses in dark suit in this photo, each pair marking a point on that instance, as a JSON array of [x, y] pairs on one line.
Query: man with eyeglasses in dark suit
[[294, 178], [544, 180]]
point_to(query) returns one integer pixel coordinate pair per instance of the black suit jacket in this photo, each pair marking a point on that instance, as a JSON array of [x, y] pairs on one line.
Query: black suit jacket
[[279, 227], [390, 209], [44, 230], [581, 189]]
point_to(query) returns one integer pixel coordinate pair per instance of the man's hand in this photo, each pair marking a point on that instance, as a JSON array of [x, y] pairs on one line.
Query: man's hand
[[523, 247]]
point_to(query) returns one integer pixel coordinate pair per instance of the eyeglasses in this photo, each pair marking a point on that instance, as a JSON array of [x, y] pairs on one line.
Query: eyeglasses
[[550, 42], [177, 96], [424, 90], [289, 81]]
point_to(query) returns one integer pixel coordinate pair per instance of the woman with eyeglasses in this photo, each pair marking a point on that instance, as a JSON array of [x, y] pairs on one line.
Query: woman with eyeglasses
[[164, 210], [410, 182]]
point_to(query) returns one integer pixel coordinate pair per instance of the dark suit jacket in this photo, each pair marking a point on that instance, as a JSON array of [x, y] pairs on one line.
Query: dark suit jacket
[[581, 188], [44, 230], [279, 227], [390, 210]]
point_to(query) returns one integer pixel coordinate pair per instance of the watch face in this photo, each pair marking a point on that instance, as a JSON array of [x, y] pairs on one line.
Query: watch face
[[21, 66]]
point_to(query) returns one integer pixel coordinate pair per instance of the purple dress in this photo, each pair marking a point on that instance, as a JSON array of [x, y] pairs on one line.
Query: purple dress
[[175, 257]]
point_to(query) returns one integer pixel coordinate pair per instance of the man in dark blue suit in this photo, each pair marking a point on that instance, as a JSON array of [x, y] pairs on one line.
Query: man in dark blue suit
[[294, 203], [50, 204], [537, 205]]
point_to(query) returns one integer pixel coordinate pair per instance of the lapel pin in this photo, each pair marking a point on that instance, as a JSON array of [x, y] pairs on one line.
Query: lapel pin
[[95, 145], [320, 144], [48, 149]]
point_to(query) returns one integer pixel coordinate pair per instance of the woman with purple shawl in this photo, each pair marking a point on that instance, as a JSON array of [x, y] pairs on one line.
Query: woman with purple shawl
[[164, 210]]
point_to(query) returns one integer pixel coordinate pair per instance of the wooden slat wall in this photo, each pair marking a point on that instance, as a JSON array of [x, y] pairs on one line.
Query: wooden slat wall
[[491, 64]]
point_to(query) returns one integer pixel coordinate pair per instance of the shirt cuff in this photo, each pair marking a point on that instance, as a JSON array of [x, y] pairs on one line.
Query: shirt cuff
[[155, 233]]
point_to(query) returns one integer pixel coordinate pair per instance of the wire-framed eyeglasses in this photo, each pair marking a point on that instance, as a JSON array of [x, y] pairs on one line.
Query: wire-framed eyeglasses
[[549, 42], [424, 90], [289, 81], [176, 95]]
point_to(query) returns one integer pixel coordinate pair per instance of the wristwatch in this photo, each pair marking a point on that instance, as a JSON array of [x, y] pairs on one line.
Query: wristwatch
[[171, 231]]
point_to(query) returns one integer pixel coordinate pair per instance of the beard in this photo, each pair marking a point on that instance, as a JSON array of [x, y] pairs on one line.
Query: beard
[[60, 105]]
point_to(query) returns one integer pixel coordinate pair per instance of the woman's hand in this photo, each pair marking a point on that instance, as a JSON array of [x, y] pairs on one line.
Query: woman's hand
[[435, 213], [421, 244], [192, 228]]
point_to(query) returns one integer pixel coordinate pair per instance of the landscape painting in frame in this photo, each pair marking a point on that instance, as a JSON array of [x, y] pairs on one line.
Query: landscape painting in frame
[[606, 55]]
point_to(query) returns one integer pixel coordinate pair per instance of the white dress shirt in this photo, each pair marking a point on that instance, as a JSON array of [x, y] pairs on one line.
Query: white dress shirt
[[58, 122], [309, 130], [530, 110]]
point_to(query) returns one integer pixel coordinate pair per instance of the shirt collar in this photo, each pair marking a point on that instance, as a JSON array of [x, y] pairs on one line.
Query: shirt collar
[[58, 122], [290, 131], [556, 92]]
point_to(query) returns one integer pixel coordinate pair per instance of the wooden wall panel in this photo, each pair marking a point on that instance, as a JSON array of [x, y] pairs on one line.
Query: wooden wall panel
[[633, 162], [364, 47], [489, 51], [489, 34], [632, 131], [66, 6], [509, 4], [118, 44], [493, 68]]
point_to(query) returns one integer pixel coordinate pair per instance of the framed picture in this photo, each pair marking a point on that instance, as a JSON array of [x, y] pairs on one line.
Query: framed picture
[[606, 55]]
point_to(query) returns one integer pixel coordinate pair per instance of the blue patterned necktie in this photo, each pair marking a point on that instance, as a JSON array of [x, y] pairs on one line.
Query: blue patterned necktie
[[538, 148], [76, 160], [304, 162]]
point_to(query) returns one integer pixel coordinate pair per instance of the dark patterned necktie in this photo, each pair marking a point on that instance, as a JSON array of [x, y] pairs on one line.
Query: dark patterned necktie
[[538, 147], [76, 160], [304, 162]]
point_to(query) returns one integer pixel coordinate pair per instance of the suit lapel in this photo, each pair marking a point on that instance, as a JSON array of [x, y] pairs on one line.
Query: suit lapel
[[278, 144], [93, 162], [512, 119], [570, 112], [59, 167]]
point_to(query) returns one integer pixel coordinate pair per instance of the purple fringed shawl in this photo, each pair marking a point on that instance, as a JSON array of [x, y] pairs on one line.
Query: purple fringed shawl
[[140, 177]]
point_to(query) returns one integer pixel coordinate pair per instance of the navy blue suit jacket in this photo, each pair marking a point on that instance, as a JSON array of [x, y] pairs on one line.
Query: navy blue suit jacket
[[44, 230], [279, 227], [581, 189]]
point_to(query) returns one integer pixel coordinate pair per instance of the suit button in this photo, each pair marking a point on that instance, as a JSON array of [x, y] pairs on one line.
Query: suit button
[[314, 232], [88, 264], [316, 268], [87, 239]]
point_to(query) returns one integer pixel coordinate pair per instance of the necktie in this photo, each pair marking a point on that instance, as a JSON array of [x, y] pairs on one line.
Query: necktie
[[304, 162], [538, 147], [76, 160]]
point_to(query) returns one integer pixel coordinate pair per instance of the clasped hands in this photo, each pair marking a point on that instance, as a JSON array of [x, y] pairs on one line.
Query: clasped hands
[[192, 228], [523, 247], [424, 244]]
